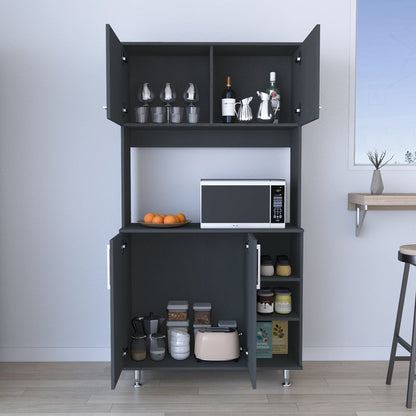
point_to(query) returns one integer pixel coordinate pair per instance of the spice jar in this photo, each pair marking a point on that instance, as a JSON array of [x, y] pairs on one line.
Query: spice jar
[[283, 301], [177, 310], [202, 313], [282, 266], [157, 347], [138, 347], [265, 301], [266, 266]]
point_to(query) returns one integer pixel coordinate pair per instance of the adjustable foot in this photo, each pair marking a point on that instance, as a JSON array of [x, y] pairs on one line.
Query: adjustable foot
[[286, 378], [137, 378]]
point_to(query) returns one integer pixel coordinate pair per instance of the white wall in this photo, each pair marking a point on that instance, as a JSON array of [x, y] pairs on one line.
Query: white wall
[[60, 175]]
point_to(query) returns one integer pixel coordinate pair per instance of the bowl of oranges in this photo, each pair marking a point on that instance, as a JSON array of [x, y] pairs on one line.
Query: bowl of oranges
[[164, 221]]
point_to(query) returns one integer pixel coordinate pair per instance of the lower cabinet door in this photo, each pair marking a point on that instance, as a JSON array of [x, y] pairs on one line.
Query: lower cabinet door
[[251, 271], [120, 305]]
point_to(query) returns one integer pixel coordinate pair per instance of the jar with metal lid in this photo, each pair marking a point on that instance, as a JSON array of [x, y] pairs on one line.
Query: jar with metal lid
[[282, 266], [138, 347], [266, 266], [157, 347], [265, 301], [202, 313], [283, 301]]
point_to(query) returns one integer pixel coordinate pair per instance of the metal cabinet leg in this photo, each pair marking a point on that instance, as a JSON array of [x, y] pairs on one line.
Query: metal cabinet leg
[[137, 378], [286, 378]]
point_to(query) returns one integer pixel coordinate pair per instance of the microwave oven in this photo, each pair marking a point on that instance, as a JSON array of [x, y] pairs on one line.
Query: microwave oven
[[243, 203]]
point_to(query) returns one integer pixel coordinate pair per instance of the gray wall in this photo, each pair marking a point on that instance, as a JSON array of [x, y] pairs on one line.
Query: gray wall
[[60, 175]]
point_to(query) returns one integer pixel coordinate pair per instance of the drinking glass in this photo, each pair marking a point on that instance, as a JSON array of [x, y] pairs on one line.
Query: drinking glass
[[168, 96], [141, 113], [158, 114], [176, 114], [191, 94], [192, 114], [146, 94]]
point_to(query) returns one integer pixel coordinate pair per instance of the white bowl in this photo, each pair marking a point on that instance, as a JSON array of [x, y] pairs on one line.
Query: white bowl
[[180, 348], [180, 337], [179, 355]]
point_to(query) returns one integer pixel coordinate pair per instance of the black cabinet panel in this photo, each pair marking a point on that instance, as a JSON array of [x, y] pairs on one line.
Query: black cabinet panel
[[306, 78], [251, 304], [117, 70], [120, 308]]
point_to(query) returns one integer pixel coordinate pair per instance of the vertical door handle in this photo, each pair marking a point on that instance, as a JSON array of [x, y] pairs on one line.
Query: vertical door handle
[[108, 267], [258, 265]]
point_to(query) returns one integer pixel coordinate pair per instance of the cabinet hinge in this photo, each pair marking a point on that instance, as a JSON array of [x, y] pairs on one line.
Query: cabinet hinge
[[123, 247], [298, 59], [297, 110], [124, 352], [247, 245], [124, 110], [124, 59]]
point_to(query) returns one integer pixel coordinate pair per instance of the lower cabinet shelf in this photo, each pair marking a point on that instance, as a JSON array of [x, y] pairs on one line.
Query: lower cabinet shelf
[[278, 317], [190, 363]]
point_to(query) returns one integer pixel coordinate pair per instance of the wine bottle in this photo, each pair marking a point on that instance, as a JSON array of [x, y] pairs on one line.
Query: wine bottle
[[228, 103], [274, 96]]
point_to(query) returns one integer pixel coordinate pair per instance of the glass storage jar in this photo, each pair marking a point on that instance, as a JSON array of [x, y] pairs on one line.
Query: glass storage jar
[[282, 266], [202, 313], [157, 347], [265, 301], [138, 347], [266, 266], [177, 310], [283, 301]]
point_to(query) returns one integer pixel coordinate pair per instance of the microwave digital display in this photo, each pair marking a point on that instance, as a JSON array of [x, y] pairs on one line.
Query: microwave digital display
[[251, 203]]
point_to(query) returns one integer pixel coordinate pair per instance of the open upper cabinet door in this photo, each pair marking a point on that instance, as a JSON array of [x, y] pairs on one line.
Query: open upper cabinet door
[[306, 79], [117, 76]]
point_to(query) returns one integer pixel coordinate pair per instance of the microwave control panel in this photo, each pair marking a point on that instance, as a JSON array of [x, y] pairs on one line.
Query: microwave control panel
[[277, 204]]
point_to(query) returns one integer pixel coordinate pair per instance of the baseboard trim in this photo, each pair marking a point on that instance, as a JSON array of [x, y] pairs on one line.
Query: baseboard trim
[[54, 354], [348, 353]]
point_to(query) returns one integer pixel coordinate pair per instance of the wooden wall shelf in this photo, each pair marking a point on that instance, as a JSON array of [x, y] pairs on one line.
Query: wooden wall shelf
[[361, 203]]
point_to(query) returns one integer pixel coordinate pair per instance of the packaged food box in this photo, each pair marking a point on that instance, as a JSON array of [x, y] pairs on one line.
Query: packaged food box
[[202, 313], [280, 337], [177, 310], [264, 339]]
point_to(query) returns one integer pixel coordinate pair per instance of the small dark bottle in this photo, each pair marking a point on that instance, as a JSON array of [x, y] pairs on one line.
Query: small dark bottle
[[228, 103]]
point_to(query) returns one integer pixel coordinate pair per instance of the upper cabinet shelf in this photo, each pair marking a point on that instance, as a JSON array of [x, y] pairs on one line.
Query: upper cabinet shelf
[[207, 65]]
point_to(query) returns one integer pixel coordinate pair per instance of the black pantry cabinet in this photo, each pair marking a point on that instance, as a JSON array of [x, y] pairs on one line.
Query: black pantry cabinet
[[137, 271]]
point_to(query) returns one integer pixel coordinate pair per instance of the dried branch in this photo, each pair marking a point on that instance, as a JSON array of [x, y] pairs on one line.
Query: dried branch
[[377, 159]]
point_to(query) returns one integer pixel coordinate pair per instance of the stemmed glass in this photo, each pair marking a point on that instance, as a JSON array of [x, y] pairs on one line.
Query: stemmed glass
[[191, 94], [168, 96], [146, 94]]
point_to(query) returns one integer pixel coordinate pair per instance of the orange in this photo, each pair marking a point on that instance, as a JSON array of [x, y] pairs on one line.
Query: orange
[[163, 216], [170, 219], [157, 219], [181, 217], [148, 217]]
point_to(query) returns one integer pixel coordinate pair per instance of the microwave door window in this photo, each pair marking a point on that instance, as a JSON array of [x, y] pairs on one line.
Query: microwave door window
[[235, 204]]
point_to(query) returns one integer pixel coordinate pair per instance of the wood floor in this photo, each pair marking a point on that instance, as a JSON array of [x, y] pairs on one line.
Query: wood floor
[[321, 388]]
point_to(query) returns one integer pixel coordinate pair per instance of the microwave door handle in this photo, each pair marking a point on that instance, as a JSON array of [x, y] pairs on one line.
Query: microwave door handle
[[258, 265]]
